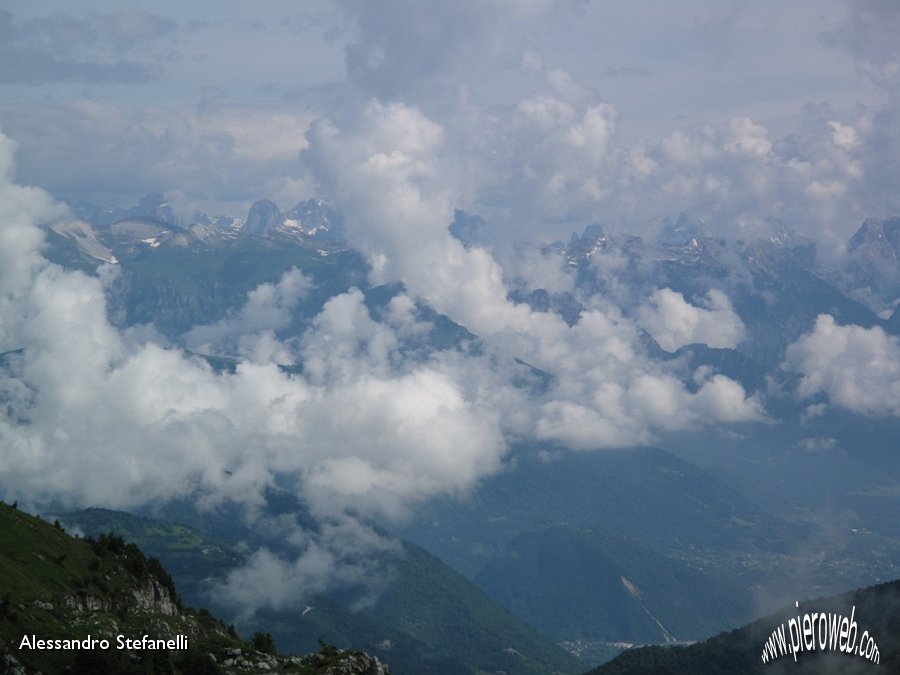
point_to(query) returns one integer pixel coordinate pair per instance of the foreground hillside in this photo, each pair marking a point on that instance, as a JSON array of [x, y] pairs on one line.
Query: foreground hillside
[[875, 610], [56, 587], [70, 605]]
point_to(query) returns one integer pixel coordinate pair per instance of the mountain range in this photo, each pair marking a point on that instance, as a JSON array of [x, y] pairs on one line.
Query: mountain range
[[593, 551]]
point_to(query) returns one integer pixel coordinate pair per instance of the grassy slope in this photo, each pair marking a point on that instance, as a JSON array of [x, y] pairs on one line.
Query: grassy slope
[[39, 563], [439, 606]]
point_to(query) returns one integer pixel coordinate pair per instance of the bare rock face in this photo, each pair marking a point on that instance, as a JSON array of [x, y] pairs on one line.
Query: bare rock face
[[872, 256], [153, 597], [329, 661], [264, 216]]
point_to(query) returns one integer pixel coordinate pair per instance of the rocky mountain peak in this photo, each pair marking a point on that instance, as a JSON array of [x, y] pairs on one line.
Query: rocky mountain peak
[[315, 218], [264, 215], [881, 236], [155, 207], [467, 228]]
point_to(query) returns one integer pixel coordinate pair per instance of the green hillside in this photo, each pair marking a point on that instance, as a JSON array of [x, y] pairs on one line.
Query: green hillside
[[430, 621], [57, 587], [440, 607]]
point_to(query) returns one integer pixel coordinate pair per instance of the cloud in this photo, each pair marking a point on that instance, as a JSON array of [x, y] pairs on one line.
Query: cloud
[[217, 156], [717, 26], [539, 147], [395, 177], [674, 322], [343, 553], [609, 394], [564, 167], [556, 156], [251, 331], [364, 427], [91, 416], [868, 31], [401, 47], [388, 425], [94, 389], [857, 368], [165, 426], [734, 176], [411, 437], [94, 48]]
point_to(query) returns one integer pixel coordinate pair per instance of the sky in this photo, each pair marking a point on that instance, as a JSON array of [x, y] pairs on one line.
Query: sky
[[541, 115], [582, 107]]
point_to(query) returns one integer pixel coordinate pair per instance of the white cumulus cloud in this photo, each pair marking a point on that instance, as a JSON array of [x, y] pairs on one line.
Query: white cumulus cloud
[[674, 322], [857, 368]]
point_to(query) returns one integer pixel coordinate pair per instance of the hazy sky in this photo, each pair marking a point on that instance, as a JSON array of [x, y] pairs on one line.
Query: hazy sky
[[541, 115], [583, 107]]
